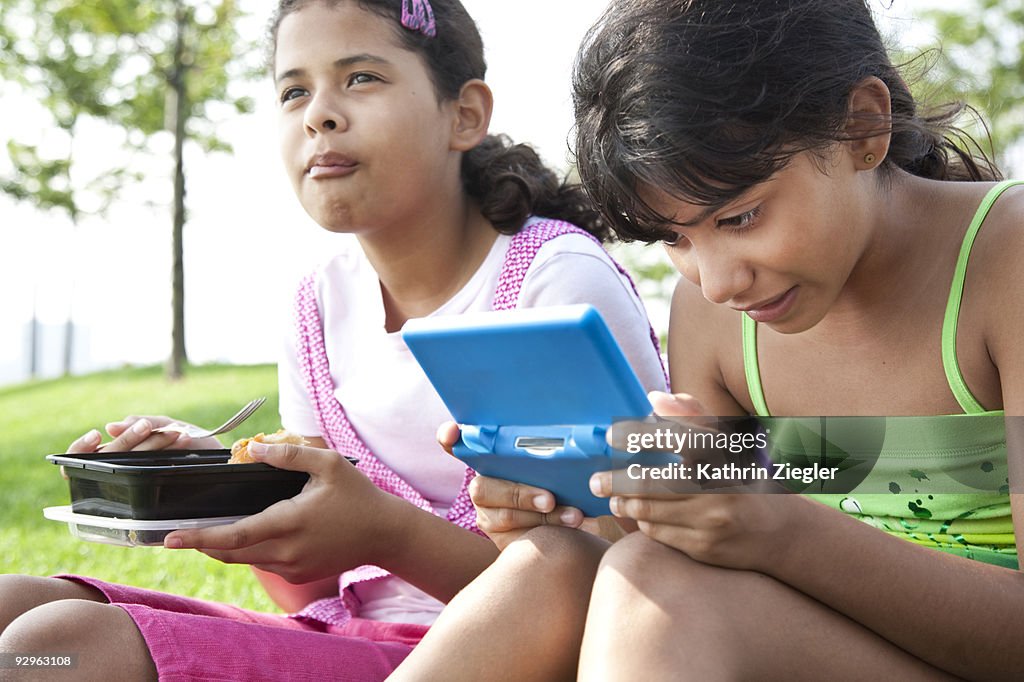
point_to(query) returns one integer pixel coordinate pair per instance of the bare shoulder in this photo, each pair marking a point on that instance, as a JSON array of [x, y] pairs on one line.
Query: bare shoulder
[[995, 272], [704, 348], [998, 252]]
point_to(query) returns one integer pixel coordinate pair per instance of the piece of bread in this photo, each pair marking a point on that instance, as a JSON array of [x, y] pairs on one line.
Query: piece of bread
[[240, 450]]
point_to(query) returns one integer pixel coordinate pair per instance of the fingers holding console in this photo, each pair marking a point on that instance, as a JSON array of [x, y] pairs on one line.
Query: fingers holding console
[[505, 509], [448, 436]]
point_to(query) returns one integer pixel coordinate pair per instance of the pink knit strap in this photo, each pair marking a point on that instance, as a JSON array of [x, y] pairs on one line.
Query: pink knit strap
[[340, 435], [523, 250], [335, 427]]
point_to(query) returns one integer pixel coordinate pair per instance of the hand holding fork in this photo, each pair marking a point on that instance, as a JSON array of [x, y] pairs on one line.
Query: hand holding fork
[[158, 433]]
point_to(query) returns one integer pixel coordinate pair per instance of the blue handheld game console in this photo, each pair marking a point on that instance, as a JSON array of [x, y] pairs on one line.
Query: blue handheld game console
[[535, 391]]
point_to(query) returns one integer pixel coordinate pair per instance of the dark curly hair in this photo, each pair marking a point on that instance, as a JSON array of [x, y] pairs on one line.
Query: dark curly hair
[[705, 99], [509, 181]]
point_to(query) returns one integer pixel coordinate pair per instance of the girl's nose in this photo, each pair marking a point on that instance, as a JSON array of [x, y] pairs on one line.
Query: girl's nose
[[722, 276], [323, 116]]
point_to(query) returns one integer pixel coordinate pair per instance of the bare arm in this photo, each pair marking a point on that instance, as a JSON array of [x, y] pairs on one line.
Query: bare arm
[[292, 598], [433, 554], [699, 333], [961, 615], [426, 550]]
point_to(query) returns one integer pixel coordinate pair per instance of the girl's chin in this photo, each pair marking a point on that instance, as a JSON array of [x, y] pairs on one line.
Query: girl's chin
[[788, 326], [799, 320], [331, 220], [338, 229]]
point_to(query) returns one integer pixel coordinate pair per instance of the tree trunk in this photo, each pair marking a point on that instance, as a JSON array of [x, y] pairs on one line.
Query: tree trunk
[[33, 336], [69, 323], [177, 361], [69, 343]]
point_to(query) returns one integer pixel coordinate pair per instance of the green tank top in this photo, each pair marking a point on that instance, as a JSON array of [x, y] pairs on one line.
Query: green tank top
[[971, 447]]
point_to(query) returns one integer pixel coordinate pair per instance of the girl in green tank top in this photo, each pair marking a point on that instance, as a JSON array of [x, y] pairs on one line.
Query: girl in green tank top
[[842, 254], [926, 506]]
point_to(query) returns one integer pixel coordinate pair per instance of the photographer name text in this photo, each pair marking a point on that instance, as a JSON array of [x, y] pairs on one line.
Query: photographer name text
[[731, 472]]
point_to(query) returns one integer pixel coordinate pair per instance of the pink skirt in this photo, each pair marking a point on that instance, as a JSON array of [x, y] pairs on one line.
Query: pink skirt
[[192, 639]]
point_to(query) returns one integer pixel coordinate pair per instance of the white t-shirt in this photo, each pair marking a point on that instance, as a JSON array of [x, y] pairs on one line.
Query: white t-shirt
[[391, 403]]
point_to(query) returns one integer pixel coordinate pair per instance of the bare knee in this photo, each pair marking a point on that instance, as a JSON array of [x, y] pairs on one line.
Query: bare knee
[[547, 567], [22, 593], [557, 554], [650, 602], [638, 569], [86, 630], [532, 598], [58, 623], [647, 566]]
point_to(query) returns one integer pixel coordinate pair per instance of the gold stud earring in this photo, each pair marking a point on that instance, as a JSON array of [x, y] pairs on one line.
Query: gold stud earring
[[869, 158]]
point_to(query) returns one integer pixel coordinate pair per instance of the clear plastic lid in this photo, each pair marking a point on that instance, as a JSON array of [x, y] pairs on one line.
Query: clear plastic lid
[[127, 532]]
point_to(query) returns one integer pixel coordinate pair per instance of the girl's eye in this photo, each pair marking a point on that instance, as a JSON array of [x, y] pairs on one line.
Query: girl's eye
[[675, 240], [291, 93], [361, 78], [741, 222]]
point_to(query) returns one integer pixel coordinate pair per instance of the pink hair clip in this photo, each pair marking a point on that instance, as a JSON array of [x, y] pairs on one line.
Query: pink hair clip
[[418, 15]]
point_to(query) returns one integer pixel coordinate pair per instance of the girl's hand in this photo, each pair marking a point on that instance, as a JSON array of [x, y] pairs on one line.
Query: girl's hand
[[740, 531], [134, 433], [505, 510], [339, 521]]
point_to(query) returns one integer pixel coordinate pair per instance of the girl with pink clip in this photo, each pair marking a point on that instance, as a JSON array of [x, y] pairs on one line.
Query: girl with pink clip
[[383, 128]]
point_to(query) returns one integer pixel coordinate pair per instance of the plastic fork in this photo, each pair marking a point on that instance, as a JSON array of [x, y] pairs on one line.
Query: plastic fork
[[233, 422]]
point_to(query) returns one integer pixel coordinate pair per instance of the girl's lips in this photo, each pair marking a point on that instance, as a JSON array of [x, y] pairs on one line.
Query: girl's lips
[[331, 171], [775, 308]]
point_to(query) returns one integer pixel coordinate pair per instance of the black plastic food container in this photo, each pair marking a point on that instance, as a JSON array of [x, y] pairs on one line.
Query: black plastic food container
[[173, 484]]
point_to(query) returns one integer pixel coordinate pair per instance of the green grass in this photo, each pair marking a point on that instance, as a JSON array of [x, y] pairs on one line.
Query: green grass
[[43, 417]]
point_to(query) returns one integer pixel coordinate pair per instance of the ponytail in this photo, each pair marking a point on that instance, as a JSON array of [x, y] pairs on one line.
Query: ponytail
[[930, 145], [511, 183]]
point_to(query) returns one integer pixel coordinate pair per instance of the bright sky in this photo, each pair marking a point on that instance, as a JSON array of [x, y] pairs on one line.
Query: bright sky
[[247, 239]]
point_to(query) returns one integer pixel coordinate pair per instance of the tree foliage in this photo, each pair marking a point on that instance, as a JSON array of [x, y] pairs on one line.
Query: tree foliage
[[113, 60], [140, 66], [981, 61]]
